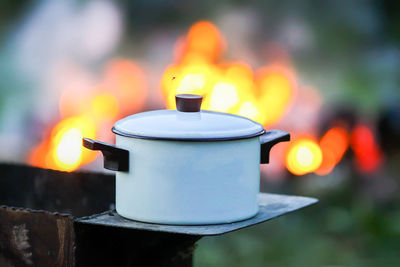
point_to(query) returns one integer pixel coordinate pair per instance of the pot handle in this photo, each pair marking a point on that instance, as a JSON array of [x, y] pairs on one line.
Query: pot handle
[[268, 140], [115, 159]]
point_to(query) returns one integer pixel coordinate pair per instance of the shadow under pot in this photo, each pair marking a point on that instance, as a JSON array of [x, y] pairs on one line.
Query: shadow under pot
[[187, 166]]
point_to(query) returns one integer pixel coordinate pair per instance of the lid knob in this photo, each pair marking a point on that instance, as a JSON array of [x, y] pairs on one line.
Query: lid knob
[[188, 103]]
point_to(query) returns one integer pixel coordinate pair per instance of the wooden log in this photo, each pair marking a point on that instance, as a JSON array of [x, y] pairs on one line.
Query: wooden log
[[35, 238], [39, 212]]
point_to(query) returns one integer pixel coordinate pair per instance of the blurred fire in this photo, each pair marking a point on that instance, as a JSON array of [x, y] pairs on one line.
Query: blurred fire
[[230, 87], [83, 114], [367, 153], [62, 149], [334, 144], [306, 154], [303, 156], [264, 96]]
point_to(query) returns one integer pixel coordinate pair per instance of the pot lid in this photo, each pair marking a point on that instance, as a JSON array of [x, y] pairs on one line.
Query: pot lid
[[188, 122]]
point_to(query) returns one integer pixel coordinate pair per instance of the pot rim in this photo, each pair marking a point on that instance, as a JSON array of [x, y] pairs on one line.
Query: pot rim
[[205, 139]]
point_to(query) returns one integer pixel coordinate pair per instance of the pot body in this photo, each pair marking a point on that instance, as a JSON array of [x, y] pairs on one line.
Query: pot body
[[189, 182]]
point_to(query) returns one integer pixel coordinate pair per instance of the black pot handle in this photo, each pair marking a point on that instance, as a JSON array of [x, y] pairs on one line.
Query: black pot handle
[[268, 140], [115, 159]]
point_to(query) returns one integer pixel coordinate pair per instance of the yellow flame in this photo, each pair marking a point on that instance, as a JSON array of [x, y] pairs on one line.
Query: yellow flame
[[105, 106], [223, 97], [226, 87], [68, 152], [63, 149], [303, 156], [85, 110], [191, 83], [66, 145], [276, 88], [249, 110]]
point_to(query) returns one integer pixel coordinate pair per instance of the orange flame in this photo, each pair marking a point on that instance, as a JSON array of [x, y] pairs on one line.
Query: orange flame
[[226, 86], [368, 155], [122, 91], [63, 149], [126, 82], [204, 41], [334, 144]]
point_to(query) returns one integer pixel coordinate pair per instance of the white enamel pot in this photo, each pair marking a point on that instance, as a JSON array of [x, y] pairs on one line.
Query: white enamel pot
[[187, 166]]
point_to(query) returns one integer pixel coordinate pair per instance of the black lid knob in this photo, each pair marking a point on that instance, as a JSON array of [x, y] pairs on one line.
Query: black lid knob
[[188, 103]]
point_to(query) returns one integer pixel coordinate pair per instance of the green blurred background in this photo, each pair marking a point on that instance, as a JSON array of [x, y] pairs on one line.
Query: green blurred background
[[348, 50]]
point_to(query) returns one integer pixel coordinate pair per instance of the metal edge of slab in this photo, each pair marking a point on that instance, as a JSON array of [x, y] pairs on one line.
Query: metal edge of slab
[[271, 207]]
